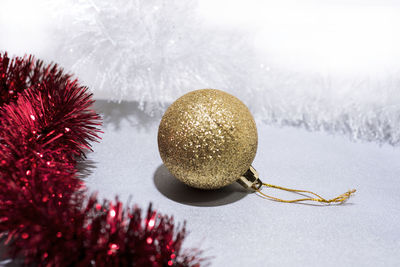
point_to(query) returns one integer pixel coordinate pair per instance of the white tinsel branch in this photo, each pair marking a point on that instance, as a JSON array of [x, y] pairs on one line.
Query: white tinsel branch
[[154, 51]]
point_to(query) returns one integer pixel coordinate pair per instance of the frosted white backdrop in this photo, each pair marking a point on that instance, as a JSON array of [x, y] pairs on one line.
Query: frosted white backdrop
[[331, 65]]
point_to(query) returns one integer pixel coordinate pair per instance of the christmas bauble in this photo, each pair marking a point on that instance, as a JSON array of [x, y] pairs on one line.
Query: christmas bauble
[[207, 139]]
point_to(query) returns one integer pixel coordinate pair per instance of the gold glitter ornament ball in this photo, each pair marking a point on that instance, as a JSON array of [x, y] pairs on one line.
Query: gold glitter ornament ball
[[207, 139]]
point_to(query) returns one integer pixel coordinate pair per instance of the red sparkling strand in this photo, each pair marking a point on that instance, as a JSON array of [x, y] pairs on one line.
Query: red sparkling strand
[[46, 125]]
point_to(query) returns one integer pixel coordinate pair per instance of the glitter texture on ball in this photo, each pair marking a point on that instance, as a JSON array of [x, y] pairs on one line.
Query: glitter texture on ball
[[207, 139]]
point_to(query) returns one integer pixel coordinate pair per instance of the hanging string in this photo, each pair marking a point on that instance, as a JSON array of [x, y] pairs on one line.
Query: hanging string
[[340, 199]]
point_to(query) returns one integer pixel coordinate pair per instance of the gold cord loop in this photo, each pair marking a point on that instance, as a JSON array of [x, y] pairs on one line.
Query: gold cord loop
[[339, 199], [251, 180]]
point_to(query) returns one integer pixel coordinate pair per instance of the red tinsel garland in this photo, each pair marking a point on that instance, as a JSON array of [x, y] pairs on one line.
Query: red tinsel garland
[[46, 218]]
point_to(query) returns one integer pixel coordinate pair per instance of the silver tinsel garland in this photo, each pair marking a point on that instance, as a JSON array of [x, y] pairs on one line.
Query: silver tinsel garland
[[153, 51]]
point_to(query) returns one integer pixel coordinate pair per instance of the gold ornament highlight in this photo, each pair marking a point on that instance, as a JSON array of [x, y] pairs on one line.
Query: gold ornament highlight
[[208, 139]]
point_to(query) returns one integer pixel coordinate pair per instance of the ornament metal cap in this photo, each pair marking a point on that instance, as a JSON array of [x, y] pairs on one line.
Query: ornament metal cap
[[250, 179]]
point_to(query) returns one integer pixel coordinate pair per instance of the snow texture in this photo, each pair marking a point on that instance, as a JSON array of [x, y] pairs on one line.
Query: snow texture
[[151, 52]]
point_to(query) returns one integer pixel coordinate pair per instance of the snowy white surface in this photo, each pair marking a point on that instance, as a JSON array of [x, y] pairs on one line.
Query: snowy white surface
[[241, 229]]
